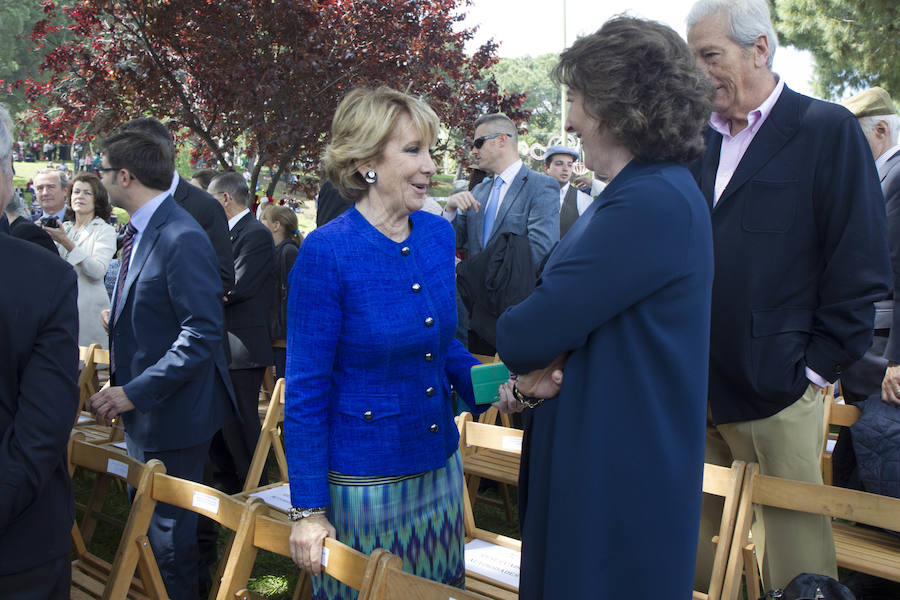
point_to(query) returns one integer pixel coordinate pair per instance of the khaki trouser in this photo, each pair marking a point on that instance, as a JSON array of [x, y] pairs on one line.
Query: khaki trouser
[[787, 445]]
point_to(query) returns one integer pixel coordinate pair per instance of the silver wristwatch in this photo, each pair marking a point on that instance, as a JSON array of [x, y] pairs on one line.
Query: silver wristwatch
[[296, 514]]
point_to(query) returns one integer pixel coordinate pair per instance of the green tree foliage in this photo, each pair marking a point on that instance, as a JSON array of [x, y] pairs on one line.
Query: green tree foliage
[[855, 43], [531, 76], [19, 58]]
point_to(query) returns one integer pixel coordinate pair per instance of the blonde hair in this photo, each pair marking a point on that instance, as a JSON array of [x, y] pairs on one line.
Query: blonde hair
[[285, 216], [364, 121]]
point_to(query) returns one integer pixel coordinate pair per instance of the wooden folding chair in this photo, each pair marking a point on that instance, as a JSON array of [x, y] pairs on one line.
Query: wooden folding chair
[[725, 482], [269, 440], [492, 437], [228, 512], [92, 577], [263, 532], [859, 548], [393, 583], [837, 414]]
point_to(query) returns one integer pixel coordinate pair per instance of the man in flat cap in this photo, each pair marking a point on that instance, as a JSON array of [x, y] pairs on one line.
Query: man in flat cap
[[878, 371], [558, 163]]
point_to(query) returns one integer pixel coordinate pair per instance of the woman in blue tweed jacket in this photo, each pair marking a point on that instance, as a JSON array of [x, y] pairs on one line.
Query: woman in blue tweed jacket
[[371, 444]]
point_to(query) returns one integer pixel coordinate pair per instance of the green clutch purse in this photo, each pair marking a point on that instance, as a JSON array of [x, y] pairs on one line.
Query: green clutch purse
[[486, 379]]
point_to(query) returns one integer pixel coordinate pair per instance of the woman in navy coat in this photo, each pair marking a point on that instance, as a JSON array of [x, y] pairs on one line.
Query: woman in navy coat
[[372, 448], [611, 477]]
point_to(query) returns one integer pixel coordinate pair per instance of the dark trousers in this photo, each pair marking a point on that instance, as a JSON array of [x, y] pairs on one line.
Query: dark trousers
[[232, 448], [51, 580], [280, 360], [173, 531]]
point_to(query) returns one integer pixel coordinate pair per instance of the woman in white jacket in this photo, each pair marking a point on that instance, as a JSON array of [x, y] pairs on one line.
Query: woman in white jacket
[[88, 244]]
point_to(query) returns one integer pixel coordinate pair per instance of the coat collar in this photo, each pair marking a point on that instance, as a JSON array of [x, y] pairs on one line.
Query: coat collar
[[781, 125]]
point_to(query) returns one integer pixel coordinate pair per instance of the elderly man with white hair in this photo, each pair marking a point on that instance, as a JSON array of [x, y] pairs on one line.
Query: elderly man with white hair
[[878, 372], [800, 258]]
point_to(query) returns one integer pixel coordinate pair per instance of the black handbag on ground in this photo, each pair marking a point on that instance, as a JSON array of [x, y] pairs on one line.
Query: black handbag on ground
[[810, 586]]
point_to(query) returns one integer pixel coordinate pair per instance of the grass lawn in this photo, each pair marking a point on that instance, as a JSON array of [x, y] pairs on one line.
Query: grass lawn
[[274, 576]]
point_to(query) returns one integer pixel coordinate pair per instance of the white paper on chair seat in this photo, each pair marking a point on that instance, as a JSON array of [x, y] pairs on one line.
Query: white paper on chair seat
[[278, 497], [325, 553], [829, 445], [85, 419], [497, 562], [121, 445], [117, 467], [206, 502]]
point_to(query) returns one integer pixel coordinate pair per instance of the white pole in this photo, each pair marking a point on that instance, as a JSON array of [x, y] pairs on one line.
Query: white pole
[[562, 88]]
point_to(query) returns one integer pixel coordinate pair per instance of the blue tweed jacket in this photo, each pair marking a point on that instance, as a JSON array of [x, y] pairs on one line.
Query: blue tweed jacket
[[371, 354]]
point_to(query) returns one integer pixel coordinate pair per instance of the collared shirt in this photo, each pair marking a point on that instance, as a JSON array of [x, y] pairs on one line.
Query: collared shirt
[[734, 147], [508, 174], [174, 184], [141, 218], [61, 215], [886, 156], [582, 200], [234, 220]]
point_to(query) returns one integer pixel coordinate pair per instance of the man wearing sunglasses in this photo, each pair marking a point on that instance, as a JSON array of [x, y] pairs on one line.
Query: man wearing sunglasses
[[514, 199]]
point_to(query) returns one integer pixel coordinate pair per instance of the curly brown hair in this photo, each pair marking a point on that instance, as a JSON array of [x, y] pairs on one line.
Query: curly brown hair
[[102, 207], [640, 80]]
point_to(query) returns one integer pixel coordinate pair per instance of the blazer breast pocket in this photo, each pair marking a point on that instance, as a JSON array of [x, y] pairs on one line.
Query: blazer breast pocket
[[769, 206], [514, 222]]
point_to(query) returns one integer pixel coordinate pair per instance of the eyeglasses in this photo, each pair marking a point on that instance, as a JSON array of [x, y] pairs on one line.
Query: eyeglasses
[[105, 169], [479, 142]]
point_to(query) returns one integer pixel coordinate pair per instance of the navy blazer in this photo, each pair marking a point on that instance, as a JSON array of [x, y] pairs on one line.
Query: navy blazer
[[247, 305], [890, 186], [38, 400], [371, 354], [166, 337], [626, 294], [530, 207], [801, 256]]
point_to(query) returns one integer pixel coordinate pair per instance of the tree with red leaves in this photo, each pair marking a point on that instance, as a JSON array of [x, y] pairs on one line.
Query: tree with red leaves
[[265, 74]]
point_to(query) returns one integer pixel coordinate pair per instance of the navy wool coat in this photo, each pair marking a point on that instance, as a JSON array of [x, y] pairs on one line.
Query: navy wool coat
[[612, 467]]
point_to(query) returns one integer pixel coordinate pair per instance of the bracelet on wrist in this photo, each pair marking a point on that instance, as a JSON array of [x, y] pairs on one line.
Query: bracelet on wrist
[[529, 401], [298, 514]]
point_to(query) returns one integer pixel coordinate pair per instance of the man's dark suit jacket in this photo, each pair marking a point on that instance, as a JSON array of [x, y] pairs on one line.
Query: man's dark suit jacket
[[38, 400], [801, 256], [329, 203], [247, 305], [24, 229], [209, 213], [166, 337], [864, 377]]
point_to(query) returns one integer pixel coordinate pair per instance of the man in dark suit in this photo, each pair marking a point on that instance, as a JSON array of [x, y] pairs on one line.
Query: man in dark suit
[[329, 203], [516, 200], [38, 400], [199, 204], [247, 325], [50, 192], [22, 227], [800, 257], [169, 375], [878, 372]]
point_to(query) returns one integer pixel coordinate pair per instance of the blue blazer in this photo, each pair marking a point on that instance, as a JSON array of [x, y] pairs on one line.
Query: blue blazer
[[371, 354], [530, 207], [801, 257], [167, 336]]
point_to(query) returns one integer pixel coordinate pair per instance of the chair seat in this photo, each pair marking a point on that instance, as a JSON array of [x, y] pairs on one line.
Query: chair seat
[[869, 550], [494, 464]]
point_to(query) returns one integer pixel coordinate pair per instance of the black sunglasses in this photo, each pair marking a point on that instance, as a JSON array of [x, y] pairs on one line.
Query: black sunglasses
[[479, 142]]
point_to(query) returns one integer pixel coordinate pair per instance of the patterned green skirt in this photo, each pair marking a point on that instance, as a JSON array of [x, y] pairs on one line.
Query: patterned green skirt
[[418, 517]]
